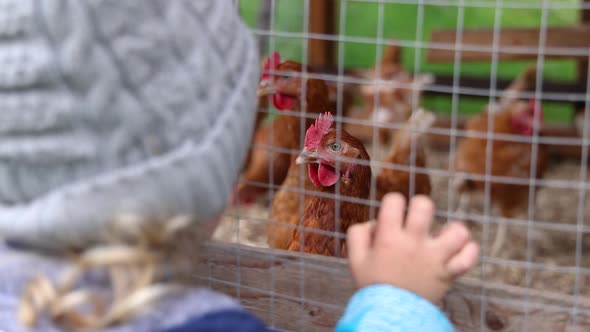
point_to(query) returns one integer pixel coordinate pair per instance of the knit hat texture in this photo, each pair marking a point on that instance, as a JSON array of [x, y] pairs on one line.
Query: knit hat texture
[[114, 107]]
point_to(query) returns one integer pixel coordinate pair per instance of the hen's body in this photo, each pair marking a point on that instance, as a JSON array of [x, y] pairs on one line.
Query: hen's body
[[287, 209], [396, 180], [509, 159], [284, 129], [320, 212], [261, 115]]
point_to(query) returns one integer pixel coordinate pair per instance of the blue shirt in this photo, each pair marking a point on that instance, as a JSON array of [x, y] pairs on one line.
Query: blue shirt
[[387, 308]]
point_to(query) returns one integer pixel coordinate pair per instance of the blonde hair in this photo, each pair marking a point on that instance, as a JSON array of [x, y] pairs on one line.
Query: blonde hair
[[136, 255]]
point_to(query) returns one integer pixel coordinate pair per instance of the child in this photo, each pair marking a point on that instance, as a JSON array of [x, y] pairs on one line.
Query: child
[[143, 107]]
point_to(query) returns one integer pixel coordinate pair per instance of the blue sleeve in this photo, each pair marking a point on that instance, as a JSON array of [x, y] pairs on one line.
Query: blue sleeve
[[386, 308]]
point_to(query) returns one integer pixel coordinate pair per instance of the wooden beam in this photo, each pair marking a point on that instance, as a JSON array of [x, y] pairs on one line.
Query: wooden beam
[[549, 87], [556, 37], [294, 291], [321, 20]]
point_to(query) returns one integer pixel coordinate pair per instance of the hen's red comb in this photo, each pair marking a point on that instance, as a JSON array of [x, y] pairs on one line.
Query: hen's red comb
[[316, 131], [271, 63]]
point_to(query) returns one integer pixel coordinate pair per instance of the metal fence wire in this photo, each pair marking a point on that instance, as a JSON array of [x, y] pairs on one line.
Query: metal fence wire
[[522, 193]]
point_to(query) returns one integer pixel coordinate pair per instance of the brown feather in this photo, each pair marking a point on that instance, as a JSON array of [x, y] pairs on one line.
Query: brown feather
[[509, 159]]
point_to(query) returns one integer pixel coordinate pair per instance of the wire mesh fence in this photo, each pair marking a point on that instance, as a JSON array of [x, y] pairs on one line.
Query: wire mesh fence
[[507, 153]]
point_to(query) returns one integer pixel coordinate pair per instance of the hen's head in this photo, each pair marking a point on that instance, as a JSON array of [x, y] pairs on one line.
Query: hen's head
[[323, 148], [523, 117], [284, 89]]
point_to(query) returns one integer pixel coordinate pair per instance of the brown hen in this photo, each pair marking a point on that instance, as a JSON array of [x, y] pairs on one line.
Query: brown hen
[[323, 147], [273, 142], [508, 158]]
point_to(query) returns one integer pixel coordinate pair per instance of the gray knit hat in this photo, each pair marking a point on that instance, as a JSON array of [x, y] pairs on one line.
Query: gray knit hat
[[109, 107]]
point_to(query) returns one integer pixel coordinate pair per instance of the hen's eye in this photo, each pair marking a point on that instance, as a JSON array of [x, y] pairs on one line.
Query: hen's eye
[[287, 75], [336, 146]]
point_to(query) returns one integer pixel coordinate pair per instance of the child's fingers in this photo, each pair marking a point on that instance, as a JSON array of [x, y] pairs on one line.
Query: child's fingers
[[358, 241], [464, 260], [391, 216], [420, 215], [451, 239]]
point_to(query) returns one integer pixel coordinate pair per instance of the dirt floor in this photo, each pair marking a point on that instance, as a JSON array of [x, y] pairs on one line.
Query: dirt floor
[[553, 239]]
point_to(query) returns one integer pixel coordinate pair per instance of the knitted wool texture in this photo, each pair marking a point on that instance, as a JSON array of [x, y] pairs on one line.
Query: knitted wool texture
[[109, 107]]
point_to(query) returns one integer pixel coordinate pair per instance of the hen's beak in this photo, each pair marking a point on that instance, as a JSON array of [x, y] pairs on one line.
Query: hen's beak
[[266, 88], [307, 157]]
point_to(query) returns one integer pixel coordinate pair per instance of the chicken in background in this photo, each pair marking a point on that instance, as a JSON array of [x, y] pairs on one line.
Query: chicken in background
[[526, 81], [321, 151], [400, 154], [261, 115], [393, 104], [508, 159], [262, 107], [283, 134]]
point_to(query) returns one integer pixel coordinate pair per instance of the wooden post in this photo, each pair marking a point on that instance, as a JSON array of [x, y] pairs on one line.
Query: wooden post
[[582, 74], [586, 13], [321, 20]]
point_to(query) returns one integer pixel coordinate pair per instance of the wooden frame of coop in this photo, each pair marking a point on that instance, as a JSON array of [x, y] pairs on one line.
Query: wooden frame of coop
[[265, 279]]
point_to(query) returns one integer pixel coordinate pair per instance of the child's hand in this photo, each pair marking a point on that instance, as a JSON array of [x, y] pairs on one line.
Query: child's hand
[[406, 255]]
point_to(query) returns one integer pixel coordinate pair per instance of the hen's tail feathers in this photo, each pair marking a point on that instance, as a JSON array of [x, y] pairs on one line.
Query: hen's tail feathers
[[418, 122], [392, 54], [526, 81]]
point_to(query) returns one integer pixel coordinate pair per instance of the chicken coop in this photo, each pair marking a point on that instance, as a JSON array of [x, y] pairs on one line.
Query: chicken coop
[[480, 104]]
